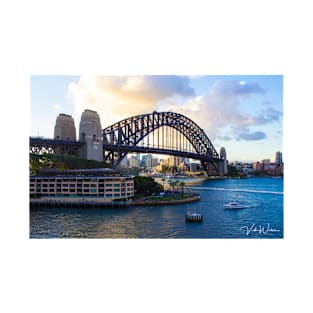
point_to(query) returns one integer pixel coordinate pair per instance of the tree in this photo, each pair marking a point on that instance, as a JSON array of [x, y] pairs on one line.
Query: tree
[[176, 182], [172, 184], [233, 171], [146, 186], [163, 181], [182, 186], [37, 162]]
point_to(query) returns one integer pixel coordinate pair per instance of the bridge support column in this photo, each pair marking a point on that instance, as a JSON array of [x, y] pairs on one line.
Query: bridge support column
[[90, 134]]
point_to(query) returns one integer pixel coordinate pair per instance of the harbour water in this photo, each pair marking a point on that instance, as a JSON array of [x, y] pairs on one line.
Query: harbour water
[[261, 217]]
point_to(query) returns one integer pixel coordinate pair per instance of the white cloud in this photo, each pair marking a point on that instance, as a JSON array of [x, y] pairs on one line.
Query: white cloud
[[217, 111], [56, 107], [118, 97]]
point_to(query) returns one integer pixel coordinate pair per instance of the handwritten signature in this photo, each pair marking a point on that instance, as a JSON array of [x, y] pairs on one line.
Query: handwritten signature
[[262, 230]]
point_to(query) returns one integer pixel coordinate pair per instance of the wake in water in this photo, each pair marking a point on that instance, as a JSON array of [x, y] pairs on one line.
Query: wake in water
[[239, 190]]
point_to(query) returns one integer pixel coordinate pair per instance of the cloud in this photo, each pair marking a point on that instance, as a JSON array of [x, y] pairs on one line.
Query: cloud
[[236, 88], [266, 102], [219, 108], [56, 107], [225, 138], [267, 116], [258, 135], [117, 97], [217, 111]]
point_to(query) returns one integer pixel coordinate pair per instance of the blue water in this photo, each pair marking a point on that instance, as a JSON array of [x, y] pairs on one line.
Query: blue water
[[262, 216]]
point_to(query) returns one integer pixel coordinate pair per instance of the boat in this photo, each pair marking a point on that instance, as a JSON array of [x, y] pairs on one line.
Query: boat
[[233, 205]]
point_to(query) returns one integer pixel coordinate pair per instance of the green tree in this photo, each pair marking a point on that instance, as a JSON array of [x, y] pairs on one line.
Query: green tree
[[182, 186], [172, 184], [146, 186], [232, 171]]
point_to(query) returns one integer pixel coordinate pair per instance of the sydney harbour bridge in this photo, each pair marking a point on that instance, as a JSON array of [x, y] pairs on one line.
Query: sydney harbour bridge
[[166, 133]]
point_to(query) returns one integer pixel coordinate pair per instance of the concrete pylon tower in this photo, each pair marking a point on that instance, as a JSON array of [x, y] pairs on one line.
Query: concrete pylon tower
[[224, 160], [64, 128], [90, 134]]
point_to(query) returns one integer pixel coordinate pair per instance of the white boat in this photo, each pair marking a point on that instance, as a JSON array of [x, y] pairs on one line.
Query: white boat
[[233, 205]]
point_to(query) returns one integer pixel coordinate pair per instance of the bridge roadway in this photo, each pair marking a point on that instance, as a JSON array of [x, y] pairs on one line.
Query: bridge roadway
[[145, 149], [53, 142], [38, 142]]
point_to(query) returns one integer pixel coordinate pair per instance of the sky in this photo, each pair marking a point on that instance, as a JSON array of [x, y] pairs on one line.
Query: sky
[[243, 113]]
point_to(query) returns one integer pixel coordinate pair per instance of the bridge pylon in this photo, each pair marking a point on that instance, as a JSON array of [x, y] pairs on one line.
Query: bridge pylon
[[90, 135]]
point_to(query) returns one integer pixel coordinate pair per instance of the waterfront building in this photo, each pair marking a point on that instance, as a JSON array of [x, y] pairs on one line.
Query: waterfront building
[[257, 166], [101, 185]]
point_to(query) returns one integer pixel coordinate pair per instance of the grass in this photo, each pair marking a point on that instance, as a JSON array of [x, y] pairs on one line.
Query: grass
[[167, 198]]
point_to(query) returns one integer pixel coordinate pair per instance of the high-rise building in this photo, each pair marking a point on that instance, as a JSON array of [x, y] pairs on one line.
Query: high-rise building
[[147, 160], [175, 161], [124, 162], [279, 158], [134, 161]]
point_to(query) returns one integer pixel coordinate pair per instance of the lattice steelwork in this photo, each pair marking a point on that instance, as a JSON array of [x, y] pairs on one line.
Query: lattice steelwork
[[163, 133], [41, 145]]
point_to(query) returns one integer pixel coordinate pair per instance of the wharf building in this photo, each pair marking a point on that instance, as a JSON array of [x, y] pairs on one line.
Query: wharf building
[[101, 186]]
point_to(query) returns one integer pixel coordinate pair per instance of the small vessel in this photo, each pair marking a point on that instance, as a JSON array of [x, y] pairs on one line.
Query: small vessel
[[233, 204]]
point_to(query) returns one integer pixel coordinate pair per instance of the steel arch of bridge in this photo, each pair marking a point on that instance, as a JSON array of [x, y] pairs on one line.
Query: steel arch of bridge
[[125, 136]]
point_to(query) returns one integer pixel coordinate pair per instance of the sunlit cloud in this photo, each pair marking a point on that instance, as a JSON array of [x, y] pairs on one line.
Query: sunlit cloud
[[218, 111], [118, 97]]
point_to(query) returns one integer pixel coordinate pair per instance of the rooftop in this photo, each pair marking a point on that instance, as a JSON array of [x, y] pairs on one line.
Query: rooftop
[[87, 172]]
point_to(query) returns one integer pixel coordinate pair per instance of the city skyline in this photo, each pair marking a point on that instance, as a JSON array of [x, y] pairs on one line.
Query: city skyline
[[242, 113]]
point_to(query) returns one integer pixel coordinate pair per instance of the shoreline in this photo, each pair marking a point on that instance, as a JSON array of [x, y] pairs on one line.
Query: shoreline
[[167, 202], [96, 204]]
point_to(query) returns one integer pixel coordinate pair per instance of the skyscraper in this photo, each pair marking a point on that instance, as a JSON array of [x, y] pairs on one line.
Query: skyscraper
[[279, 158]]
